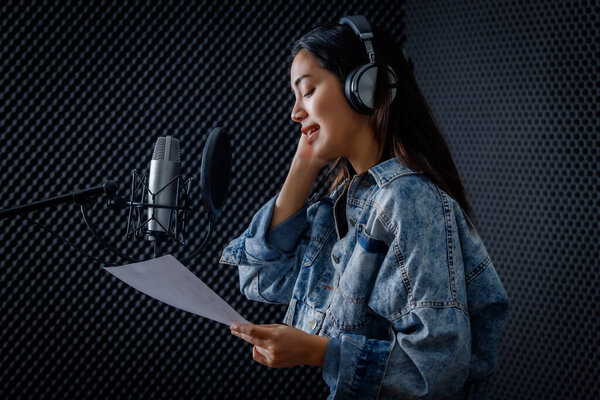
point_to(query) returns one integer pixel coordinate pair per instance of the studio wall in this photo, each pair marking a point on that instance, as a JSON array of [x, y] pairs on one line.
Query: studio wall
[[87, 87]]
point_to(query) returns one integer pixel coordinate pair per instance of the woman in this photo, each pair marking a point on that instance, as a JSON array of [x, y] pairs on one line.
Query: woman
[[390, 288]]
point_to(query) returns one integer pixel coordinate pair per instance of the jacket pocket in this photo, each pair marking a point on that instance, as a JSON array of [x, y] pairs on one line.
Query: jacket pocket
[[356, 283], [363, 265], [368, 243]]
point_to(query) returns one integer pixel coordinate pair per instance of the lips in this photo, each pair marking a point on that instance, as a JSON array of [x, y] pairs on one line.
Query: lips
[[312, 134], [309, 128]]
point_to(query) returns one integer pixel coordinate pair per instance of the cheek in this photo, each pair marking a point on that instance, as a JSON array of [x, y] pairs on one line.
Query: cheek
[[341, 121], [336, 116]]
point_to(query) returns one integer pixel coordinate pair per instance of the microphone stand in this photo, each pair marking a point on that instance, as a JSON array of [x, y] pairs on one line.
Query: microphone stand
[[79, 196]]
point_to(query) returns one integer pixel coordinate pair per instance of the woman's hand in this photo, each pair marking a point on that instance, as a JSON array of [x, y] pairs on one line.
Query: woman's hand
[[279, 346], [306, 156]]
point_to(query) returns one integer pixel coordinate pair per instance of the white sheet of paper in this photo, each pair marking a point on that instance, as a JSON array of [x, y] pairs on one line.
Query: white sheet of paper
[[168, 280]]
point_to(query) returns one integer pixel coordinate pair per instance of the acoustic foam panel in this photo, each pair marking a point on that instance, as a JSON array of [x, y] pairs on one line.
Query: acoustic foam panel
[[87, 87], [514, 86]]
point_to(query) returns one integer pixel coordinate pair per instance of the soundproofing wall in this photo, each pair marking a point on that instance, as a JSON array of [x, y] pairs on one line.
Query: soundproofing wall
[[87, 87]]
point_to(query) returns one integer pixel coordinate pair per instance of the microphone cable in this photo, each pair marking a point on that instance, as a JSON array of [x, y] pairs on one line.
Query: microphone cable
[[99, 238], [82, 251]]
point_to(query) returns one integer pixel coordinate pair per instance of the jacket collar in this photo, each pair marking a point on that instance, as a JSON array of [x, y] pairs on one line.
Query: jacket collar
[[389, 170], [381, 174]]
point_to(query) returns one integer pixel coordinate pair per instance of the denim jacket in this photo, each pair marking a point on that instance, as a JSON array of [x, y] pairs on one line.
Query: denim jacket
[[401, 285]]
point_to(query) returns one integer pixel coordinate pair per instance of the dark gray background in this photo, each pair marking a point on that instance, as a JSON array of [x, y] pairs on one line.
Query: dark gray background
[[87, 87]]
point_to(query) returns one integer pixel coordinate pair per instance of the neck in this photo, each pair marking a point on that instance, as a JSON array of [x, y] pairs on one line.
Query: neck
[[365, 151]]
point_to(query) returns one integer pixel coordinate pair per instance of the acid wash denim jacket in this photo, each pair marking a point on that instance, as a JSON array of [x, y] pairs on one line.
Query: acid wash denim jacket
[[408, 295]]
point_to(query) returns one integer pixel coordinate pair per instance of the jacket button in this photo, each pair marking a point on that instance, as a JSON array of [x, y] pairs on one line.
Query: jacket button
[[336, 259], [313, 323], [352, 222], [365, 183]]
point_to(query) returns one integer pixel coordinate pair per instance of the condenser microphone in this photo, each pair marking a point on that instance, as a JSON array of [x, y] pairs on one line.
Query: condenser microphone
[[163, 196], [165, 169]]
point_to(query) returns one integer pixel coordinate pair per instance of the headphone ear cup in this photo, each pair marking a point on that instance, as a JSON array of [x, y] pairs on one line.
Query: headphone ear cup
[[360, 87], [350, 94], [393, 82]]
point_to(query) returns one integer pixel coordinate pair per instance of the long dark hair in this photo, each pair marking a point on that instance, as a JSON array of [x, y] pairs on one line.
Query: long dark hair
[[406, 128]]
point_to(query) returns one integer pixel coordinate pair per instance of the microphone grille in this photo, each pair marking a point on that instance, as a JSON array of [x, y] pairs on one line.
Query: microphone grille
[[166, 148]]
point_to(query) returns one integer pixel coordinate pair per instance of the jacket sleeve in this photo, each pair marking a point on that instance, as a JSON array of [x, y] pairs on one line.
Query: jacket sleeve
[[269, 261], [427, 353]]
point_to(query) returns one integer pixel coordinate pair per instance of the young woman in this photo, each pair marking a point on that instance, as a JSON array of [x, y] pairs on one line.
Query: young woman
[[390, 288]]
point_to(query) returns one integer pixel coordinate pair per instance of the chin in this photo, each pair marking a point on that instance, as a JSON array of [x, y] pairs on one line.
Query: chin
[[325, 152], [318, 151]]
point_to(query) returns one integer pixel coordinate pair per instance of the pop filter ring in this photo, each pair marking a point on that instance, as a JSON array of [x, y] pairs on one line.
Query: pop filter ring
[[217, 141]]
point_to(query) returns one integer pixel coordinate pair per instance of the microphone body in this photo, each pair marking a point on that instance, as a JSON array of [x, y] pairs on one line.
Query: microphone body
[[165, 167]]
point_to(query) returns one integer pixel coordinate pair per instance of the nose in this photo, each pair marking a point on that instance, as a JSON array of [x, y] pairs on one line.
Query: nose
[[298, 113]]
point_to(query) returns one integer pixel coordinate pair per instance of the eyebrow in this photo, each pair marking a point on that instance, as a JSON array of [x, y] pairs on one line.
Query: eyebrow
[[298, 79]]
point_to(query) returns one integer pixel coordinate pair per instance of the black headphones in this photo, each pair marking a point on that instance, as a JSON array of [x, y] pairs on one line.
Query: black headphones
[[360, 83]]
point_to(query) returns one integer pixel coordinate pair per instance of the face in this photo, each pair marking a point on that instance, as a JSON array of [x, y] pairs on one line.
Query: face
[[320, 100]]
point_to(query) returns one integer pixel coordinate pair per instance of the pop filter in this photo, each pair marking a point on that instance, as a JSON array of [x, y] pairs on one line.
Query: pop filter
[[216, 173]]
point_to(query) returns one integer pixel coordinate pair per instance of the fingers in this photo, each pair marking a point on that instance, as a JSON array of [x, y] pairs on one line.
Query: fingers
[[256, 331], [251, 334], [264, 339], [260, 355], [250, 339]]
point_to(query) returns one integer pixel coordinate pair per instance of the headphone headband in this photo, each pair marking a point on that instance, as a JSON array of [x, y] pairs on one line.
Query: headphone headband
[[362, 28]]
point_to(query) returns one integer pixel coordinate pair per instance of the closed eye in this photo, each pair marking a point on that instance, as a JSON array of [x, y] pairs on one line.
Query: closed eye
[[309, 93]]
